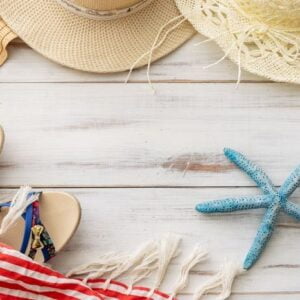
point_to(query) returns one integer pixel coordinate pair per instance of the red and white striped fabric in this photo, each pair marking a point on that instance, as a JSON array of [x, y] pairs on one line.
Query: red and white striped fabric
[[21, 278]]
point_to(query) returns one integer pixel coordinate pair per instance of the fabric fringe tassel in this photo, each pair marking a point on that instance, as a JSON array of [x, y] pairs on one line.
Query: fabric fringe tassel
[[153, 255], [197, 256], [168, 250], [18, 205], [224, 279], [106, 264], [142, 270], [144, 253], [6, 36], [113, 265]]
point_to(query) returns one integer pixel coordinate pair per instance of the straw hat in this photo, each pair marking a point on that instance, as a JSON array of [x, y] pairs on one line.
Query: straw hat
[[261, 36], [97, 35]]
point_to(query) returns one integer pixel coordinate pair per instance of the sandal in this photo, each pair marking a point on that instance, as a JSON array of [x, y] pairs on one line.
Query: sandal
[[39, 224]]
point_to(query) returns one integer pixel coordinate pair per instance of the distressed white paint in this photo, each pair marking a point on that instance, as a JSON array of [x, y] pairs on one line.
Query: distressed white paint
[[117, 135], [88, 131]]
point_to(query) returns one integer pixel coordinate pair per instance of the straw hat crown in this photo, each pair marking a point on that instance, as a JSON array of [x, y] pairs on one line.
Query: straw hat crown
[[106, 4]]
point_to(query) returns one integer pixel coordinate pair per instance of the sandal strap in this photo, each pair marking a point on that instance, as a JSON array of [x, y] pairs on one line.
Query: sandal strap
[[34, 228], [27, 216], [40, 238]]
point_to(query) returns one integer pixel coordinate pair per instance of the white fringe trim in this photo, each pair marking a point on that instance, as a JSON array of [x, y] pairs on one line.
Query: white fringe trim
[[198, 255], [153, 255], [224, 279], [168, 250], [144, 252], [143, 270], [156, 256], [107, 263]]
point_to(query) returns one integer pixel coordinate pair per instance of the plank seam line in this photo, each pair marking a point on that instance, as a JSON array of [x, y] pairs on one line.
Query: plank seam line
[[179, 81], [129, 187]]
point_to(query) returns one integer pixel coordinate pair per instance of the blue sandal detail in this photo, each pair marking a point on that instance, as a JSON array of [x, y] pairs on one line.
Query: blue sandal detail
[[35, 232]]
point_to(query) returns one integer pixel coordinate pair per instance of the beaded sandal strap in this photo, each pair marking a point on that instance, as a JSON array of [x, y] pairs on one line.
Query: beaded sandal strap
[[40, 238]]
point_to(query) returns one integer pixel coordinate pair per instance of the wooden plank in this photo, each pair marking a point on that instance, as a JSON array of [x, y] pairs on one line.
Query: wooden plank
[[121, 219], [115, 135], [185, 64]]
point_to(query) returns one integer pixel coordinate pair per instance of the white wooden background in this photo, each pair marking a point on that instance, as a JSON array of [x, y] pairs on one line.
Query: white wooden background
[[139, 162]]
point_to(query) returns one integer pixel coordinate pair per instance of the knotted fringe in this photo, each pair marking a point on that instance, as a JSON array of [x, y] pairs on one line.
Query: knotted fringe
[[224, 279], [107, 263], [197, 256], [6, 36], [114, 265], [148, 265], [19, 204], [153, 255], [156, 255], [168, 249], [145, 252]]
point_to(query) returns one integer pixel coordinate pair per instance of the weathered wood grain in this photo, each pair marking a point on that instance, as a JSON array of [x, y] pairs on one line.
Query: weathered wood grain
[[185, 64], [97, 135], [87, 131], [121, 219]]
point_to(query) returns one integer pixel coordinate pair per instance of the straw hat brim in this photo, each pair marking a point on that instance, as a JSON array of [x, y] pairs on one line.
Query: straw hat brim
[[256, 51], [93, 45]]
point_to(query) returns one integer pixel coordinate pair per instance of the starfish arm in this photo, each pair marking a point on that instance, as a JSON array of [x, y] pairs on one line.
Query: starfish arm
[[234, 204], [292, 210], [263, 235], [256, 173], [290, 185]]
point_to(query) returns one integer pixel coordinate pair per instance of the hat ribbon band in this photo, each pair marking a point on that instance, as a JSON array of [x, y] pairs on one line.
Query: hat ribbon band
[[103, 14]]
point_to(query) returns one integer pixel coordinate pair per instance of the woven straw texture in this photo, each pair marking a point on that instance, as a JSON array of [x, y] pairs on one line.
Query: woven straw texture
[[6, 36], [261, 36], [90, 45]]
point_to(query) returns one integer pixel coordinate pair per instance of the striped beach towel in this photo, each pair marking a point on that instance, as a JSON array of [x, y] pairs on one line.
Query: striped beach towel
[[21, 278]]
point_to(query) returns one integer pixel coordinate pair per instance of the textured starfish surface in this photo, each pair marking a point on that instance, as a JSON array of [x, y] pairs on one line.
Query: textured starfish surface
[[273, 200]]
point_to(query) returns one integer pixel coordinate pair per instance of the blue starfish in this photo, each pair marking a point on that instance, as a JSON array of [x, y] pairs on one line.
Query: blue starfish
[[272, 200]]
